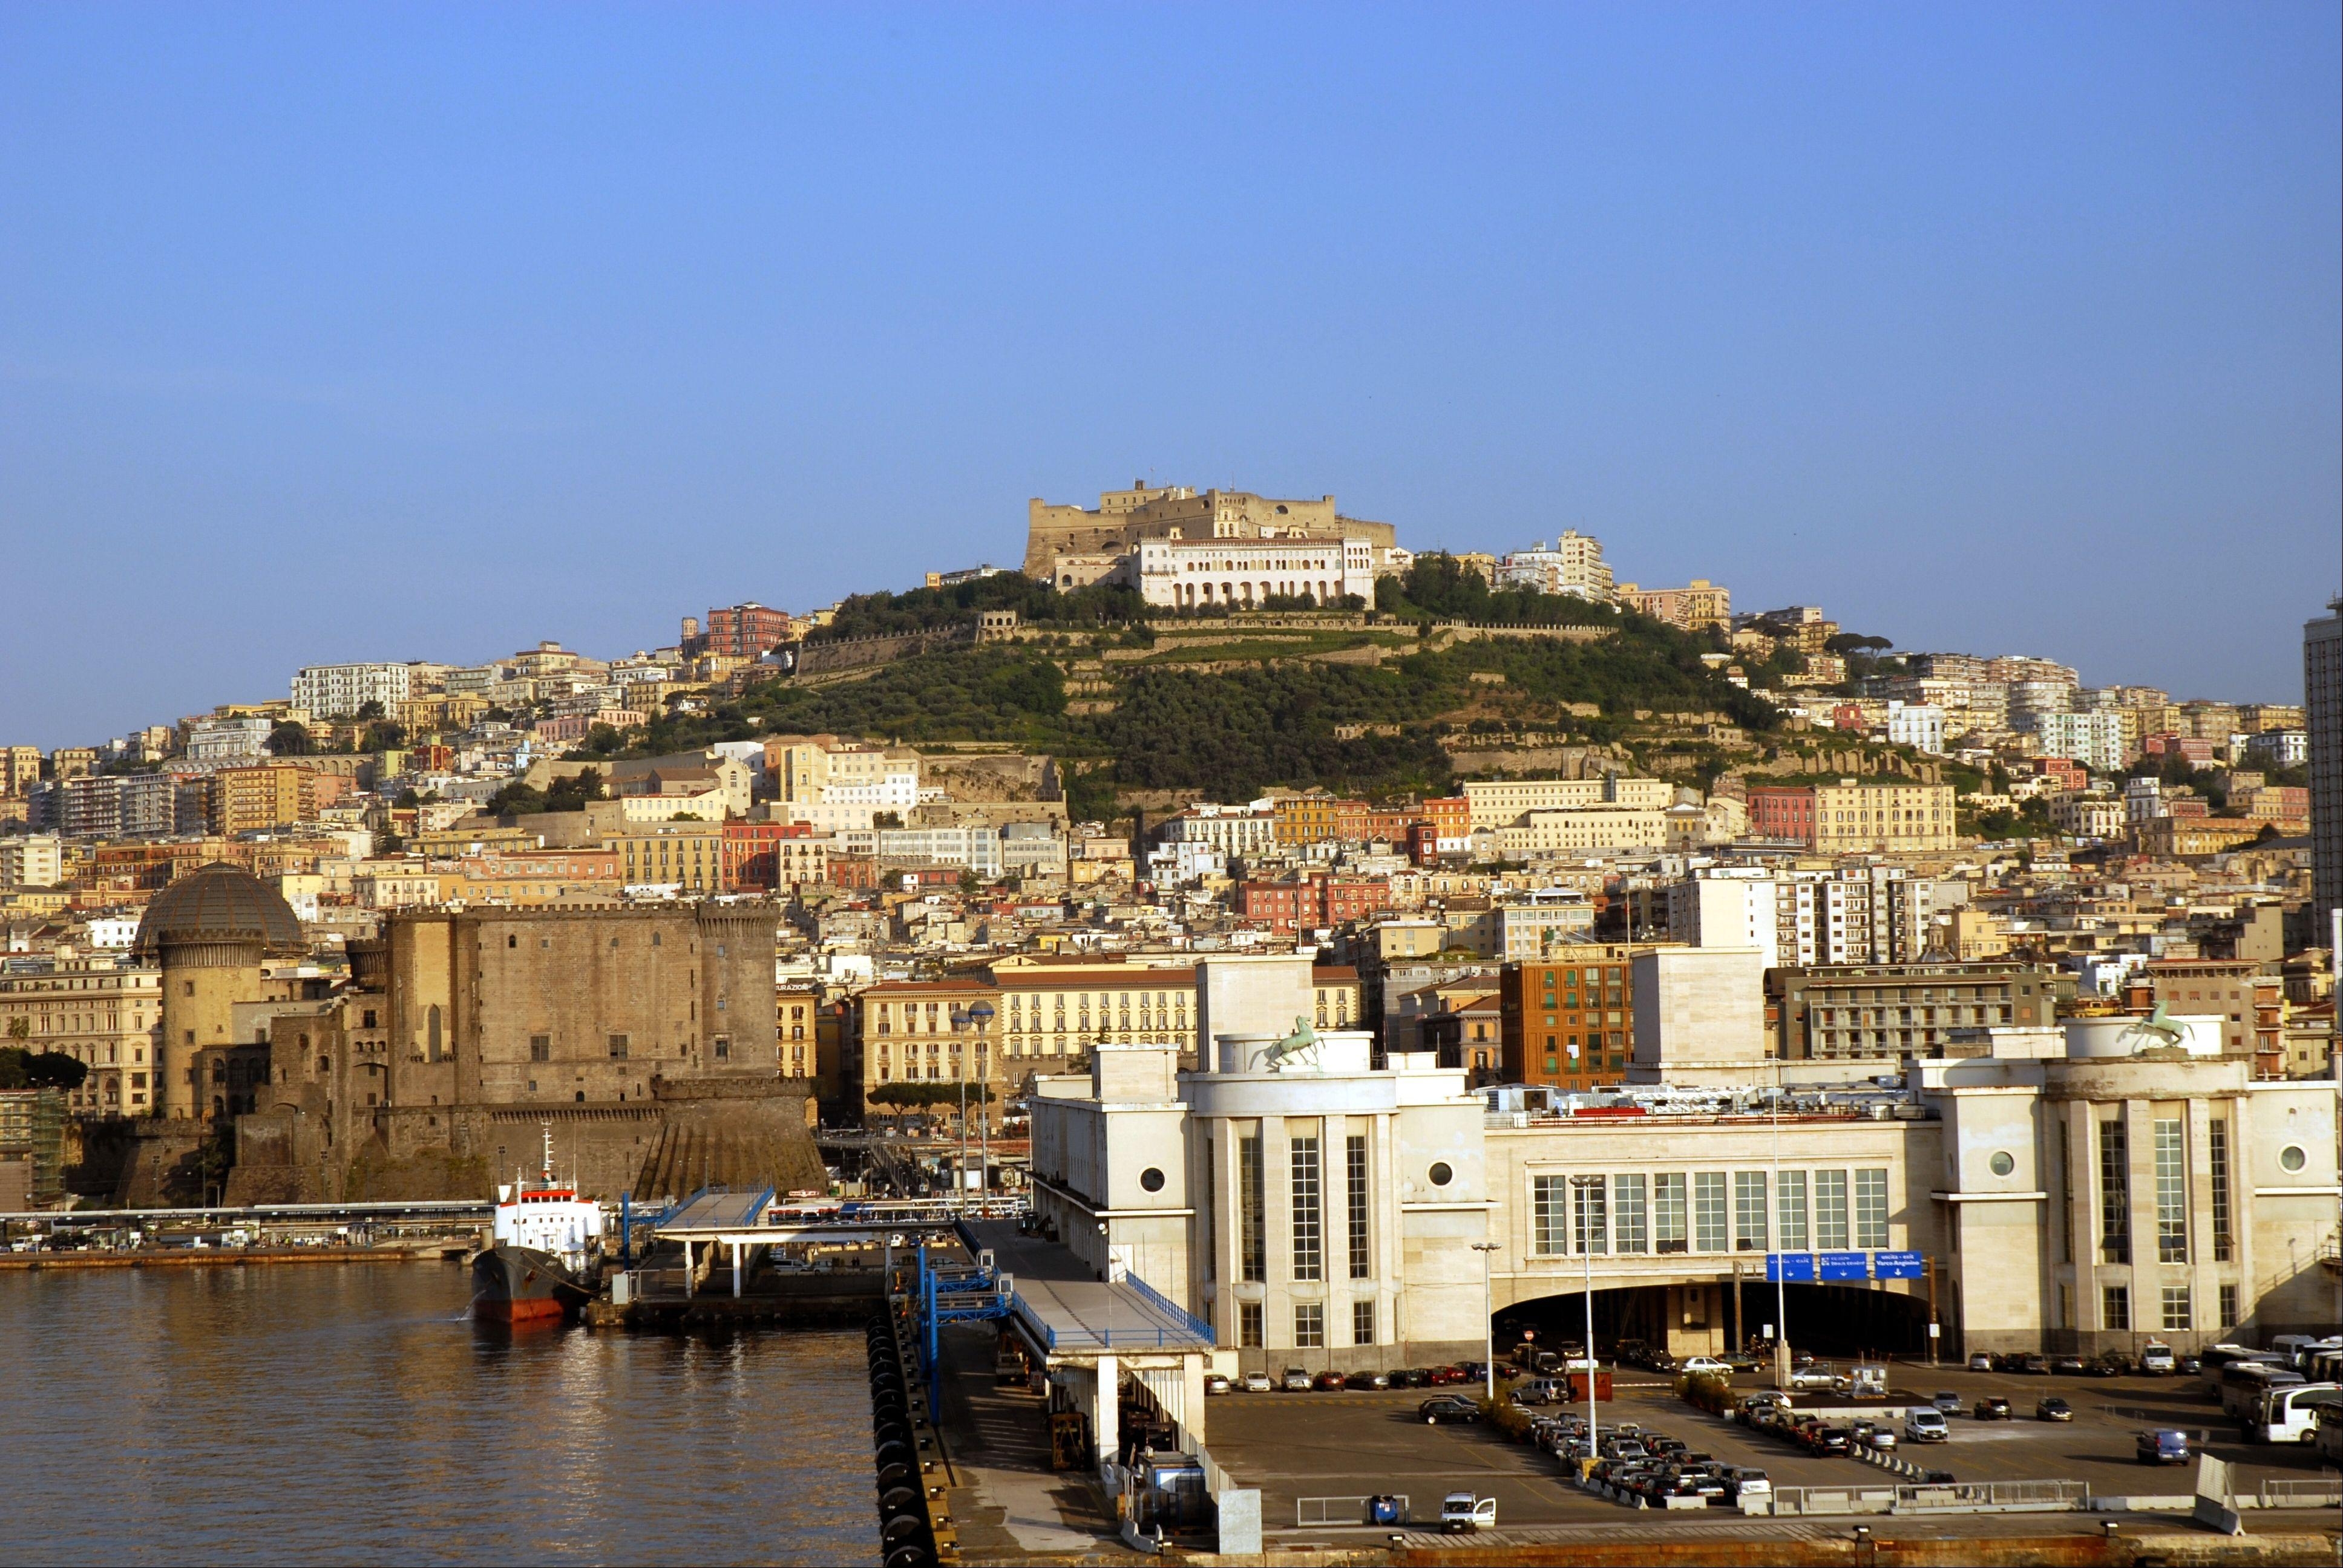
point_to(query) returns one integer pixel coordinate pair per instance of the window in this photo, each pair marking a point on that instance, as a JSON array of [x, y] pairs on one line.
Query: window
[[1308, 1215], [2114, 1307], [1309, 1326], [2229, 1298], [540, 1048], [1549, 1206], [1708, 1222], [1870, 1209], [2171, 1193], [1790, 1195], [1830, 1210], [1254, 1238], [1249, 1325], [1749, 1211], [1628, 1228], [723, 1048], [617, 1047], [1668, 1212], [1363, 1322], [2217, 1162], [1354, 1151], [2115, 1193], [2176, 1306]]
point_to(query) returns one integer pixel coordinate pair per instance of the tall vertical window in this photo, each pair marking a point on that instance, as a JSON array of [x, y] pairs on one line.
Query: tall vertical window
[[1249, 1325], [1309, 1218], [1550, 1211], [2176, 1307], [2217, 1163], [1790, 1195], [2115, 1192], [2171, 1193], [1749, 1211], [1310, 1325], [2114, 1307], [1590, 1216], [1870, 1209], [2065, 1218], [1668, 1212], [1363, 1322], [1830, 1210], [1354, 1170], [1708, 1216], [2229, 1298], [1252, 1240], [1630, 1228]]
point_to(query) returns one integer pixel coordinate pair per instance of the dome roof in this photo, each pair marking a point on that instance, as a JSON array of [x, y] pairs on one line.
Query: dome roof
[[220, 900]]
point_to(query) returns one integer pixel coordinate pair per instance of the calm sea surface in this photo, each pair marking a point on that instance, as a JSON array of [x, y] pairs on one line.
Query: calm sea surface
[[350, 1413]]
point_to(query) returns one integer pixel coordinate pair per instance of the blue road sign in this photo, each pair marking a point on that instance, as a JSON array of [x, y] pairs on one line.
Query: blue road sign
[[1897, 1265], [1844, 1265], [1792, 1267]]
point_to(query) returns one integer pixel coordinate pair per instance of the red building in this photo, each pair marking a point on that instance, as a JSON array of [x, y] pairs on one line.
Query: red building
[[1567, 1024], [744, 631], [1312, 901], [1782, 813], [751, 856], [2070, 773]]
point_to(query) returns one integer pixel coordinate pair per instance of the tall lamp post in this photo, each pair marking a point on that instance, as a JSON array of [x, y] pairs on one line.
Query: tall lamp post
[[959, 1161], [1488, 1319], [1781, 1258], [1579, 1194], [983, 1015]]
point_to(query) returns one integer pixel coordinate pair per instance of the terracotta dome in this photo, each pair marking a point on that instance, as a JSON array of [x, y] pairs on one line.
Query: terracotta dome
[[220, 900]]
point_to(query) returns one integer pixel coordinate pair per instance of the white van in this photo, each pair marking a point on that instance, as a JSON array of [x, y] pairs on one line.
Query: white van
[[2291, 1414], [2157, 1360], [1925, 1423], [1462, 1510]]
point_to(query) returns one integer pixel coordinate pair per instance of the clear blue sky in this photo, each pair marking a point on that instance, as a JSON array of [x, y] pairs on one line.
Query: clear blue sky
[[330, 332]]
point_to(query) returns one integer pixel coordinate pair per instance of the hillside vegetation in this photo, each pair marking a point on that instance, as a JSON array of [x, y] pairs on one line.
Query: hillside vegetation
[[1277, 719]]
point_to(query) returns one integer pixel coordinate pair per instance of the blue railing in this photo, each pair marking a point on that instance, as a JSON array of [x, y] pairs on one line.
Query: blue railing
[[1180, 1315]]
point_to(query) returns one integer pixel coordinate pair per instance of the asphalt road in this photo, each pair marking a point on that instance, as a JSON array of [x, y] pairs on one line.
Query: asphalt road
[[1353, 1445]]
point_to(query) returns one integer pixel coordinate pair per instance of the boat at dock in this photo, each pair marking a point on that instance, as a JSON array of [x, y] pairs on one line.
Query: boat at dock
[[545, 1260]]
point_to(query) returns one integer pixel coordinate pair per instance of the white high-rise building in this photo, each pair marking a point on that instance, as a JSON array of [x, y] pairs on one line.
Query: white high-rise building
[[1573, 564], [2095, 739], [339, 690]]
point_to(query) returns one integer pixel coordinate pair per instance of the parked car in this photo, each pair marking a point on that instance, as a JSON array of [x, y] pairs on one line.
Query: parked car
[[1442, 1377], [1926, 1424], [2109, 1363], [1410, 1377], [2157, 1360], [1980, 1362], [1295, 1381], [2190, 1366], [1698, 1366], [1828, 1440], [1259, 1383], [1328, 1381], [1946, 1402], [2054, 1409], [1462, 1510], [1741, 1483], [1447, 1407], [2068, 1366], [1816, 1377], [2029, 1364], [1215, 1383], [2167, 1447], [1872, 1435], [1993, 1409], [1742, 1363], [1746, 1412], [1367, 1380]]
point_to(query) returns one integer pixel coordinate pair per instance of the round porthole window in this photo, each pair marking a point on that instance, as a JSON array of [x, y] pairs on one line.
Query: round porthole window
[[2001, 1163], [2292, 1157], [1440, 1174], [1151, 1179]]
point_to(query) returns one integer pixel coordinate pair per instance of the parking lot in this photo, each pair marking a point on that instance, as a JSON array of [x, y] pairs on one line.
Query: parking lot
[[1348, 1444]]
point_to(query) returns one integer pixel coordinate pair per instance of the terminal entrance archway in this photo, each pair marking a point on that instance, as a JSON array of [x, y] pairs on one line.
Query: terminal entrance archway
[[1702, 1318]]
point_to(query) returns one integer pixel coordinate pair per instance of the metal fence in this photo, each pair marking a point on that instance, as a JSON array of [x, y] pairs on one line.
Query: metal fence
[[2313, 1491], [1314, 1513], [1951, 1497]]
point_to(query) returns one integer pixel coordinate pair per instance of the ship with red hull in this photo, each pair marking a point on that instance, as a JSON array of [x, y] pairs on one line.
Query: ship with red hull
[[545, 1253]]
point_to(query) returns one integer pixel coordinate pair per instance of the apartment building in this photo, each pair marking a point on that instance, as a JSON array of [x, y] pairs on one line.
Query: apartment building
[[1572, 565], [1183, 574], [254, 799], [2094, 738], [1892, 1010], [1568, 1022], [1698, 605], [1583, 830], [1500, 802], [101, 1013], [687, 856], [20, 769], [1231, 830], [1886, 815], [339, 690], [2250, 1003]]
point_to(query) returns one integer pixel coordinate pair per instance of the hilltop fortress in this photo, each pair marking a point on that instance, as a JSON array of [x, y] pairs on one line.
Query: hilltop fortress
[[1072, 546]]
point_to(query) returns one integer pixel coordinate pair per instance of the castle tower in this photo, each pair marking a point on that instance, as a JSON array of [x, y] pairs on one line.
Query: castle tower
[[209, 930]]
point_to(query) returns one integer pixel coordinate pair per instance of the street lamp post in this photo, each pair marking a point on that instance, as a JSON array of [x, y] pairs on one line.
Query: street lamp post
[[960, 1160], [1580, 1186], [1488, 1320], [1781, 1259], [982, 1014]]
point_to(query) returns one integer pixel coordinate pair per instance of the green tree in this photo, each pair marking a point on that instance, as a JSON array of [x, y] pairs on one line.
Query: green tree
[[289, 739], [21, 1068], [370, 708]]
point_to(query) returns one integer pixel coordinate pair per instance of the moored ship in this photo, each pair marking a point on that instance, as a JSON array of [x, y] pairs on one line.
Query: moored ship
[[546, 1250]]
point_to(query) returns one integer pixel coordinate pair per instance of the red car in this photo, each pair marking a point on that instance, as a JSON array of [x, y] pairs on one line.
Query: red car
[[1328, 1382], [1441, 1376]]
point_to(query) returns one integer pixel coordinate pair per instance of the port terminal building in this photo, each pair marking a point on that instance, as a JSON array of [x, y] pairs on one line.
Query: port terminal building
[[2075, 1186]]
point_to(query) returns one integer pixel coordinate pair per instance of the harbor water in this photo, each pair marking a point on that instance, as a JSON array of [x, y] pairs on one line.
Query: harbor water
[[354, 1413]]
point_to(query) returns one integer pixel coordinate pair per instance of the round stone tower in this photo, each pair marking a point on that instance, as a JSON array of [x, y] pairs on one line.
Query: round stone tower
[[209, 931]]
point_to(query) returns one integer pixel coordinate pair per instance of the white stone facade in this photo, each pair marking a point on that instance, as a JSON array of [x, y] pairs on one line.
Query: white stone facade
[[1182, 573]]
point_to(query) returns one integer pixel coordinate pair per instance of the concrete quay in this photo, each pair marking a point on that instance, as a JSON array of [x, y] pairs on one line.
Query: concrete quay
[[224, 1257]]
